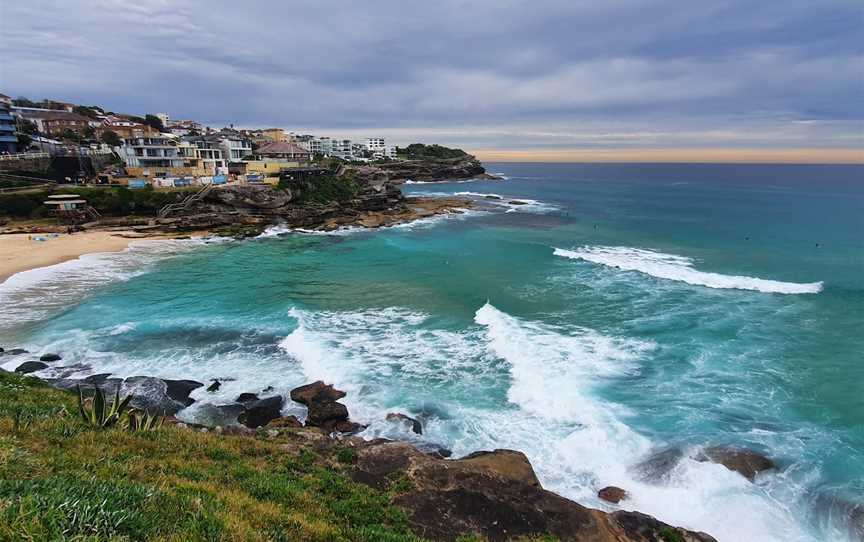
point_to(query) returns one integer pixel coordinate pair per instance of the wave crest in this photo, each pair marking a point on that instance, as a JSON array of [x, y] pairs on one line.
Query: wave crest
[[680, 268]]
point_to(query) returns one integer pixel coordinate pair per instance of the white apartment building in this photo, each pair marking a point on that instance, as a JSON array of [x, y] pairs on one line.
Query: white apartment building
[[375, 144], [151, 152], [203, 154]]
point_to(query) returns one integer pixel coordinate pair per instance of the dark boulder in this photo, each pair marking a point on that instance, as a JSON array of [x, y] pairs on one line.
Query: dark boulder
[[659, 465], [214, 386], [326, 414], [348, 427], [508, 463], [316, 391], [212, 415], [15, 352], [150, 394], [446, 500], [398, 417], [285, 421], [638, 526], [261, 412], [433, 449], [179, 390], [745, 462], [30, 367], [50, 357], [108, 385], [246, 397], [612, 494]]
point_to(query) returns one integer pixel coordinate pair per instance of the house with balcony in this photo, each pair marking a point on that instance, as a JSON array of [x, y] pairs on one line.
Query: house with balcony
[[8, 137], [234, 145], [202, 156], [152, 156]]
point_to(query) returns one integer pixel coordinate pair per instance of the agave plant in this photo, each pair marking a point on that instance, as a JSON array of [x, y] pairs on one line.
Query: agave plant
[[99, 413], [143, 421]]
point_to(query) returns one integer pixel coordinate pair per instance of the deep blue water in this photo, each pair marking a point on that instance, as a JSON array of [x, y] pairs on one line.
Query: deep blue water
[[686, 305]]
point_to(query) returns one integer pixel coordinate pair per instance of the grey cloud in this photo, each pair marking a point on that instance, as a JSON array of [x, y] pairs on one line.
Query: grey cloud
[[475, 73]]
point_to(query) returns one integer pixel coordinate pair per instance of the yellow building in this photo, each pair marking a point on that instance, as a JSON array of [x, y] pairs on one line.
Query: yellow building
[[268, 167], [274, 134]]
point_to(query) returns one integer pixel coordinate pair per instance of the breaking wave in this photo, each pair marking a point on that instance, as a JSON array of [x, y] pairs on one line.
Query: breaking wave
[[680, 268]]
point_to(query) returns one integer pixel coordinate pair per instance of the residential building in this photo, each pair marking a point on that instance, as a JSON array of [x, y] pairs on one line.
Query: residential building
[[342, 148], [183, 127], [273, 134], [8, 137], [53, 121], [164, 118], [202, 156], [151, 152], [375, 144], [284, 151], [234, 145], [128, 129]]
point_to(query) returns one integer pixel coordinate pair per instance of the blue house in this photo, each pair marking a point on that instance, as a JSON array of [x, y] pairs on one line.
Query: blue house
[[8, 137]]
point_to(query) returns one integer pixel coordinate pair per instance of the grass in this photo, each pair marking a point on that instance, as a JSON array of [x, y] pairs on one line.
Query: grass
[[62, 480]]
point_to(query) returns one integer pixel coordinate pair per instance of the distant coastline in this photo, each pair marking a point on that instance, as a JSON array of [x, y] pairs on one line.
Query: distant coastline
[[730, 156]]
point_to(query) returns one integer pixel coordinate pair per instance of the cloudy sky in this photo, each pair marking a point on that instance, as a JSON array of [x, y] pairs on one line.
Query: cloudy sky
[[534, 76]]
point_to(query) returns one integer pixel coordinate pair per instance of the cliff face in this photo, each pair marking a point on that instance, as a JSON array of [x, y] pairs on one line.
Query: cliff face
[[426, 170], [348, 199]]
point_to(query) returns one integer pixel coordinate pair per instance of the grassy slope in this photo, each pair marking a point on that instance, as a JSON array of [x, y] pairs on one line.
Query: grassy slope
[[60, 480]]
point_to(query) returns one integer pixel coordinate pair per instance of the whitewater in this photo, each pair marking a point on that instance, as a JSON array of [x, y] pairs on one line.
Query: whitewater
[[604, 319], [680, 268]]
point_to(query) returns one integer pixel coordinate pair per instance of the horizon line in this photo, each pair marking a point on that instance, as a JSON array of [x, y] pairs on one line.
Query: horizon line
[[838, 156]]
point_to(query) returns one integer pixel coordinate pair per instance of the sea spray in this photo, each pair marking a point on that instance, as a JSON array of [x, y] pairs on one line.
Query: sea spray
[[552, 376], [680, 268]]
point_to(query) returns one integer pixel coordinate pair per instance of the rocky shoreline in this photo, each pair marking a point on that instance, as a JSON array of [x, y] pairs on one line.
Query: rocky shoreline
[[494, 494]]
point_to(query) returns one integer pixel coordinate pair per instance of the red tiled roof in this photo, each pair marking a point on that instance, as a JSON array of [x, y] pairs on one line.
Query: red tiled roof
[[281, 148]]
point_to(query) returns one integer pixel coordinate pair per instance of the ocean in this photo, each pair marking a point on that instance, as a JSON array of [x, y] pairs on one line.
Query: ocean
[[589, 315]]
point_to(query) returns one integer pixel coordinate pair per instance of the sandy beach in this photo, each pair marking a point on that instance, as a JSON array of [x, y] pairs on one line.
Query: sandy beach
[[21, 251]]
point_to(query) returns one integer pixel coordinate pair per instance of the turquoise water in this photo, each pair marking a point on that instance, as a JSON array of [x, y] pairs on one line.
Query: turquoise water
[[685, 305]]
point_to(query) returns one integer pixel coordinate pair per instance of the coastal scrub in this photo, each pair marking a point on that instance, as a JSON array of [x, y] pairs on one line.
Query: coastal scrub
[[63, 480]]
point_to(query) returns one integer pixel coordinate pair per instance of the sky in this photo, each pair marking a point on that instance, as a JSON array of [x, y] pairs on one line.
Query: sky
[[502, 78]]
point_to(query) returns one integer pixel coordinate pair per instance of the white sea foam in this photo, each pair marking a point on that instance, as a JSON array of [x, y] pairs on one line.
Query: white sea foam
[[510, 204], [461, 181], [388, 360], [680, 268], [393, 359], [554, 373], [480, 195], [33, 294]]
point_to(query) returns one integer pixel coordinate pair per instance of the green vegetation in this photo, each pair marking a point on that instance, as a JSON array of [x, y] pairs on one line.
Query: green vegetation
[[110, 201], [137, 421], [89, 111], [668, 534], [110, 137], [154, 122], [419, 151], [329, 188], [61, 479], [98, 413]]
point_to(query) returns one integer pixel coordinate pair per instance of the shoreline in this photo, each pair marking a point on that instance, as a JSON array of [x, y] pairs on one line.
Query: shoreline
[[21, 252], [418, 476]]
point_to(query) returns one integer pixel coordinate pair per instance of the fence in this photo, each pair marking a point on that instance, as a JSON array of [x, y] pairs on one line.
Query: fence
[[24, 156]]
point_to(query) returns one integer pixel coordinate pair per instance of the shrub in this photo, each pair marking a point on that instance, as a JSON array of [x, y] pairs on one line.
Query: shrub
[[143, 422], [98, 413]]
